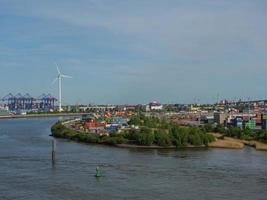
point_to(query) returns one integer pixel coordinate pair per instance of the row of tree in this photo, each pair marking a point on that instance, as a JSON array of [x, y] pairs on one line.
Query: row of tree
[[164, 133], [152, 132], [175, 136], [150, 122]]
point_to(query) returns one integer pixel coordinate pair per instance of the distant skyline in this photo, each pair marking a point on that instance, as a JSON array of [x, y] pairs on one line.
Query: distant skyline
[[130, 52]]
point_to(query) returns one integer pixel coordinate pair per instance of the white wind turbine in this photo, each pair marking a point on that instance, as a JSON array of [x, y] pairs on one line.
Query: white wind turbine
[[60, 76]]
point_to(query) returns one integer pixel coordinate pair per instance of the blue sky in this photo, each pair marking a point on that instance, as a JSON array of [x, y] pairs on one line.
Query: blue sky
[[135, 51]]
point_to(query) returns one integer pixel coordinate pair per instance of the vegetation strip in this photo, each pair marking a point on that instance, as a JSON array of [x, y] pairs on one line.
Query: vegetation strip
[[145, 131]]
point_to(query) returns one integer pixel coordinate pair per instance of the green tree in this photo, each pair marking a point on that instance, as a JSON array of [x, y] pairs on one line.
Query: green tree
[[247, 134], [179, 135], [194, 137], [135, 120], [132, 134], [162, 138], [145, 137], [234, 132], [113, 140], [208, 128], [219, 129], [113, 133], [261, 135]]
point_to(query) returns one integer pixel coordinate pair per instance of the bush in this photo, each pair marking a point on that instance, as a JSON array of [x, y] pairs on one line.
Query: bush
[[113, 140], [132, 134], [56, 129], [219, 129], [113, 133], [135, 120], [91, 138], [194, 138], [207, 128], [179, 136], [145, 137], [234, 132], [261, 135], [162, 138]]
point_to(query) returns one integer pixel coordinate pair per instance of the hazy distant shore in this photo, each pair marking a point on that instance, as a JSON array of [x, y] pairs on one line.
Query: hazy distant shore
[[41, 115]]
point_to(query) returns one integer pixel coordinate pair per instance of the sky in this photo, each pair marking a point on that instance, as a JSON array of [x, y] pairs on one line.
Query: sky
[[135, 51]]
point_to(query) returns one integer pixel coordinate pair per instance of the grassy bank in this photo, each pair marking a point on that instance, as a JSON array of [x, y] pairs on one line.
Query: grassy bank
[[235, 143], [228, 144], [234, 137]]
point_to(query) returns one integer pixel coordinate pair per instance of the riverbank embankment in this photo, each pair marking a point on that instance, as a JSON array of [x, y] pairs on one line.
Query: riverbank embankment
[[42, 115]]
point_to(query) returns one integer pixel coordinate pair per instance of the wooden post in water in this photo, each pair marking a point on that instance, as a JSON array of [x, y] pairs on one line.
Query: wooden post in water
[[53, 151]]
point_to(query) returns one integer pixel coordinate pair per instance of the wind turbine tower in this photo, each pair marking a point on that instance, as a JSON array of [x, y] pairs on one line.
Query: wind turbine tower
[[59, 78]]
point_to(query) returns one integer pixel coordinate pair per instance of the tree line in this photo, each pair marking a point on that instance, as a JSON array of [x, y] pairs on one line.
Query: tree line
[[150, 131], [154, 130]]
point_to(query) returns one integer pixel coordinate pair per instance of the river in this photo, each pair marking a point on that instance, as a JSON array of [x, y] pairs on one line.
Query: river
[[26, 171]]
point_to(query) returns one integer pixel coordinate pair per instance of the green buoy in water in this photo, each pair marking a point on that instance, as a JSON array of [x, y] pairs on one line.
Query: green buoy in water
[[98, 173]]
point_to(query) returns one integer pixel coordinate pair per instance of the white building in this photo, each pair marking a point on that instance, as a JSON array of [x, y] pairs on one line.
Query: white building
[[154, 105]]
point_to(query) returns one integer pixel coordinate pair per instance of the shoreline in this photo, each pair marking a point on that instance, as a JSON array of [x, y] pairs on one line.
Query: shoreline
[[226, 143], [219, 144], [234, 143], [134, 146], [41, 115], [75, 137]]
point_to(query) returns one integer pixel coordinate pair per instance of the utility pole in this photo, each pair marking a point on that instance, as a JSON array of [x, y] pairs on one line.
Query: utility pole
[[53, 151], [248, 108]]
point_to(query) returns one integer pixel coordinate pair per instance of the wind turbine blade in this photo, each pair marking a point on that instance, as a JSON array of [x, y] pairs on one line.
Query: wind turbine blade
[[53, 82], [57, 68], [65, 76]]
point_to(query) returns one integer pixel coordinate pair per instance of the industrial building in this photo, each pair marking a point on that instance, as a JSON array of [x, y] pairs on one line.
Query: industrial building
[[264, 124], [219, 117], [18, 103]]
